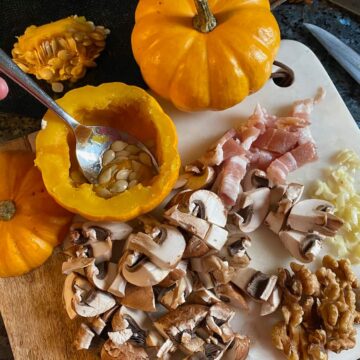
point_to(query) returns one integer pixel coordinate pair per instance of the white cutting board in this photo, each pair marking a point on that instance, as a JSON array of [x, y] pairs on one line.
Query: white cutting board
[[333, 129]]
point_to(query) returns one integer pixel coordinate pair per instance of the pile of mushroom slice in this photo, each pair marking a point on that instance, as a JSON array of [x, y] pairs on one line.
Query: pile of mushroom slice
[[194, 261]]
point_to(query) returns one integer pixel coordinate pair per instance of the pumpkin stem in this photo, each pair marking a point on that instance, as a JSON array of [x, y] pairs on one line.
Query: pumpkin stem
[[7, 210], [204, 21]]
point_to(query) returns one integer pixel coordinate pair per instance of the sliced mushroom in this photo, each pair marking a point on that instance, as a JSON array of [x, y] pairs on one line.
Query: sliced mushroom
[[195, 247], [206, 280], [111, 351], [201, 179], [118, 286], [175, 274], [140, 298], [68, 294], [256, 284], [99, 323], [164, 251], [90, 303], [154, 339], [83, 337], [101, 230], [206, 205], [238, 349], [141, 272], [235, 250], [213, 235], [255, 179], [202, 297], [175, 296], [76, 264], [314, 215], [228, 293], [302, 246], [252, 209], [272, 303], [284, 196], [100, 250], [102, 275], [184, 318]]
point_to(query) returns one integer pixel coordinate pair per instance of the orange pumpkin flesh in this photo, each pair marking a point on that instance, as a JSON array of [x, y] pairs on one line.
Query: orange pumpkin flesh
[[199, 70], [31, 223]]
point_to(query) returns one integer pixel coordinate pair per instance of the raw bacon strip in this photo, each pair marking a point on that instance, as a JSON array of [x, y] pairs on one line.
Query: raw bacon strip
[[215, 155], [232, 148], [304, 154], [303, 108], [261, 119], [281, 167], [261, 159], [277, 140], [305, 136], [248, 136], [232, 173]]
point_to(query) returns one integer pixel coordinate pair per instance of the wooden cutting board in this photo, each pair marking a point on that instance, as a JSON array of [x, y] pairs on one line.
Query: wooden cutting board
[[37, 324]]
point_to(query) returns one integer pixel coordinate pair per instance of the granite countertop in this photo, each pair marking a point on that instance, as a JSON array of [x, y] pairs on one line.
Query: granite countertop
[[290, 17]]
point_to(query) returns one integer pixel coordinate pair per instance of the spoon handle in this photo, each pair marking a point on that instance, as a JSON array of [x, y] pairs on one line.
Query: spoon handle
[[9, 68]]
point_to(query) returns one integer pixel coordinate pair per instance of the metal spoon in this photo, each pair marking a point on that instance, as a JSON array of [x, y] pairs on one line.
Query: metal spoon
[[91, 141]]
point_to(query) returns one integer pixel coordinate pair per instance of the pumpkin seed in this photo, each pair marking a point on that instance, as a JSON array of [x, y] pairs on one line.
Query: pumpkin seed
[[122, 153], [29, 56], [54, 46], [132, 149], [145, 158], [64, 55], [77, 70], [118, 159], [123, 174], [103, 192], [97, 36], [119, 186], [133, 176], [79, 36], [118, 145], [22, 66], [91, 24], [46, 73], [87, 42], [55, 63], [100, 44], [108, 156], [105, 176], [132, 183], [63, 43], [47, 48], [135, 165], [57, 87]]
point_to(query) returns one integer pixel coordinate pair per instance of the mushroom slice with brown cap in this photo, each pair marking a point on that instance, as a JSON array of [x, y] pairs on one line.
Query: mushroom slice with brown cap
[[175, 274], [83, 337], [118, 286], [76, 264], [218, 321], [256, 284], [252, 209], [100, 250], [314, 215], [229, 294], [184, 318], [164, 251], [174, 296], [195, 247], [140, 298], [285, 197], [206, 205], [102, 275], [68, 294], [98, 323], [111, 351], [302, 246], [238, 349], [90, 303], [139, 271], [255, 179], [272, 303], [101, 230], [202, 297], [213, 235]]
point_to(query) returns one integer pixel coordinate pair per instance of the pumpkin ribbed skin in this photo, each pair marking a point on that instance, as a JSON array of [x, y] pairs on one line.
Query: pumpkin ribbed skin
[[197, 70], [127, 108], [38, 225]]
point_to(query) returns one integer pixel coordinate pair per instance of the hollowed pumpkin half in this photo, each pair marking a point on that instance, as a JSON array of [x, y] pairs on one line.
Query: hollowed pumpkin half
[[126, 108]]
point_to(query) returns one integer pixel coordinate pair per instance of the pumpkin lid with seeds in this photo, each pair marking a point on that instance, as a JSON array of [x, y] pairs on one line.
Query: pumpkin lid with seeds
[[129, 109], [61, 50]]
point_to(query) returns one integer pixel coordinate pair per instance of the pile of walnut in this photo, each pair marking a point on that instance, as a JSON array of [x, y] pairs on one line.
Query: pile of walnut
[[319, 310]]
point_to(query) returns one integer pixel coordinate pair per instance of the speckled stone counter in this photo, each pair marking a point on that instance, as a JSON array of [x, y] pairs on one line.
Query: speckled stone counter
[[290, 17]]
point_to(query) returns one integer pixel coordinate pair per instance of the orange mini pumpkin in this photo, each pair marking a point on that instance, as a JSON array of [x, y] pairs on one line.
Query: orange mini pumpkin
[[205, 54], [31, 223]]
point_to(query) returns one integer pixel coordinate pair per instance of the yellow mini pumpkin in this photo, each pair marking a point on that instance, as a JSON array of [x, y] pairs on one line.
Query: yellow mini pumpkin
[[205, 54], [31, 223], [127, 108]]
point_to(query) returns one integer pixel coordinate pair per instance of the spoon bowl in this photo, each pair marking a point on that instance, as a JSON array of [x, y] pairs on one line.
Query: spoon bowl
[[91, 141]]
